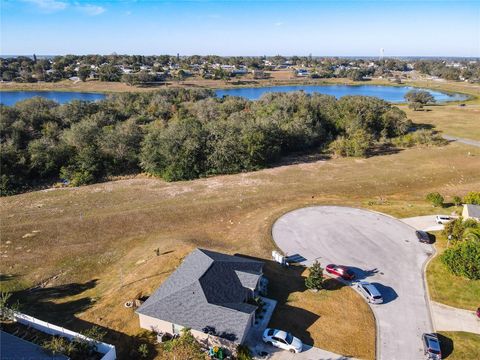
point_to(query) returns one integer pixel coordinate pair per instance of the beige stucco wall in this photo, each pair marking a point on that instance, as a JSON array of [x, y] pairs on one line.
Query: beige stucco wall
[[157, 325]]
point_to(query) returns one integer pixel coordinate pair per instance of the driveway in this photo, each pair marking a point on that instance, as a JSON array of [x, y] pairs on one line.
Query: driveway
[[382, 250], [425, 223], [448, 318], [462, 140]]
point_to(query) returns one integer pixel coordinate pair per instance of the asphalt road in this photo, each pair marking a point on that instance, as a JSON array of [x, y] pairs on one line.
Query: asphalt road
[[382, 250]]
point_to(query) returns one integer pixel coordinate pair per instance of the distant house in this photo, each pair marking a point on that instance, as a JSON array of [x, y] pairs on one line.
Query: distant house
[[471, 212], [210, 293]]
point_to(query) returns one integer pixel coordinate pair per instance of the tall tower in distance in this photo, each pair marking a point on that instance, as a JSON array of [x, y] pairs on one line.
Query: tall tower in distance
[[382, 53]]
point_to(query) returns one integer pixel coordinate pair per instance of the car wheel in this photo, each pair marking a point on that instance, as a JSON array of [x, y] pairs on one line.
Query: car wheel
[[292, 351]]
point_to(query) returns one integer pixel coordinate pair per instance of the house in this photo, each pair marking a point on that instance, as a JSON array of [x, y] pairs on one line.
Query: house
[[471, 212], [210, 293]]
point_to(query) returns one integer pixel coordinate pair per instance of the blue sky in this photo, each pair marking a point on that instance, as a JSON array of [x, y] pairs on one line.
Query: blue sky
[[339, 28]]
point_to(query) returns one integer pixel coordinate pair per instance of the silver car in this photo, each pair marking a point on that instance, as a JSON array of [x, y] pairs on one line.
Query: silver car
[[370, 292], [431, 347]]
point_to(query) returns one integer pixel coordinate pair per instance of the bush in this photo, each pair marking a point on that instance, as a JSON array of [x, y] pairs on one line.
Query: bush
[[457, 228], [472, 197], [314, 281], [435, 198], [243, 353], [420, 137], [356, 145], [457, 200], [463, 259]]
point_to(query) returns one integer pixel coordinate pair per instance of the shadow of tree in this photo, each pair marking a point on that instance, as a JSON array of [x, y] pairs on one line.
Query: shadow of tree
[[48, 304]]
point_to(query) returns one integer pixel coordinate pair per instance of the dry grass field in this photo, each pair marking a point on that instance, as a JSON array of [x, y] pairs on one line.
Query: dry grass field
[[75, 255], [92, 248]]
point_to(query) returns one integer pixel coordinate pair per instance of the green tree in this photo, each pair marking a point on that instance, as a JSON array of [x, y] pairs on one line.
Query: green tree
[[84, 72], [473, 197], [419, 98], [463, 259], [435, 198], [314, 281], [457, 200]]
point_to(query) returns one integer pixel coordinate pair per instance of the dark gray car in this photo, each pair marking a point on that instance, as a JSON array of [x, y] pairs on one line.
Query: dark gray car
[[431, 346], [423, 236]]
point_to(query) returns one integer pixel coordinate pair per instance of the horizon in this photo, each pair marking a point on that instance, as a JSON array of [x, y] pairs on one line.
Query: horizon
[[234, 28]]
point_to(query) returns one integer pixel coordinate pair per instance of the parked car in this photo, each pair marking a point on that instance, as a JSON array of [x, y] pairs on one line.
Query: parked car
[[443, 219], [478, 312], [423, 236], [343, 271], [282, 340], [370, 292], [431, 346]]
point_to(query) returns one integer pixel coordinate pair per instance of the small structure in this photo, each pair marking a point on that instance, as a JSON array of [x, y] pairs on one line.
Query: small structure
[[211, 293], [471, 212]]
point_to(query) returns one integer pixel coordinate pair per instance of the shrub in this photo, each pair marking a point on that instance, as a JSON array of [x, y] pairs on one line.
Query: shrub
[[457, 200], [420, 137], [472, 197], [356, 144], [463, 259], [314, 281], [143, 351], [243, 353], [435, 198], [457, 229]]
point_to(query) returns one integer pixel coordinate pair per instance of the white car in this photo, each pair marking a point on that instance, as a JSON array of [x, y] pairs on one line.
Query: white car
[[370, 292], [442, 219], [282, 340]]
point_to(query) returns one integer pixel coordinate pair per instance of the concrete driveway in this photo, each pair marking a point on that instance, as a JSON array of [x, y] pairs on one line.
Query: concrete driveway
[[448, 318], [382, 250], [425, 223]]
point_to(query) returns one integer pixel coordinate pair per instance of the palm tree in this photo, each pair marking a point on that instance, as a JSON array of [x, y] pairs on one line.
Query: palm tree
[[472, 234]]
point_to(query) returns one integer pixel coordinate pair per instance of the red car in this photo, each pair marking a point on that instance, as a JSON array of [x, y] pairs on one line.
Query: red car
[[343, 271]]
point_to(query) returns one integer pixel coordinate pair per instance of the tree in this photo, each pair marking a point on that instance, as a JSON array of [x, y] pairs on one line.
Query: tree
[[457, 200], [314, 281], [463, 259], [418, 98], [84, 72], [435, 198], [472, 197]]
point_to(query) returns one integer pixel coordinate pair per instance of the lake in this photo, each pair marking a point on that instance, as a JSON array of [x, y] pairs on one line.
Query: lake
[[11, 97], [394, 94]]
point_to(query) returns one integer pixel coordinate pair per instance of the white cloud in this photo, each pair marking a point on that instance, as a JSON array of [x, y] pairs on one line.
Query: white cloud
[[48, 5], [91, 10]]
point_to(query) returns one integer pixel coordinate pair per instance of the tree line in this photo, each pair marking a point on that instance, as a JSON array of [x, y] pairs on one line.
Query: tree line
[[179, 134]]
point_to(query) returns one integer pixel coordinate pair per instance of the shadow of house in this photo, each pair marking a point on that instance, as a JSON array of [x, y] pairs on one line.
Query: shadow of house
[[48, 304], [282, 283]]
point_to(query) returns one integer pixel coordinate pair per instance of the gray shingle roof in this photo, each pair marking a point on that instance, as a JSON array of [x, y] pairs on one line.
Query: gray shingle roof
[[14, 348], [473, 210], [207, 290]]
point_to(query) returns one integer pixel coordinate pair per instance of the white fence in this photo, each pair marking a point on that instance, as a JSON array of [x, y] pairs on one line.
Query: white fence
[[107, 350]]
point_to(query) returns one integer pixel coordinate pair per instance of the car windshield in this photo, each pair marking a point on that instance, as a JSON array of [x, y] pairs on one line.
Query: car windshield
[[433, 351], [289, 338]]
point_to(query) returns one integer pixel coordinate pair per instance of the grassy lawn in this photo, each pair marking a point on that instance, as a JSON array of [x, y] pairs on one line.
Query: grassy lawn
[[308, 315], [450, 289], [92, 248], [459, 345], [450, 119]]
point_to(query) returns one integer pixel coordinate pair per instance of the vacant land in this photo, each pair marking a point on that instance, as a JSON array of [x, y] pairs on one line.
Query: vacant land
[[450, 289], [90, 249], [459, 345], [451, 120]]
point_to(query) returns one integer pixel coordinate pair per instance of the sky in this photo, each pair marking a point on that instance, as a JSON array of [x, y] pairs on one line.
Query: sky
[[255, 28]]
